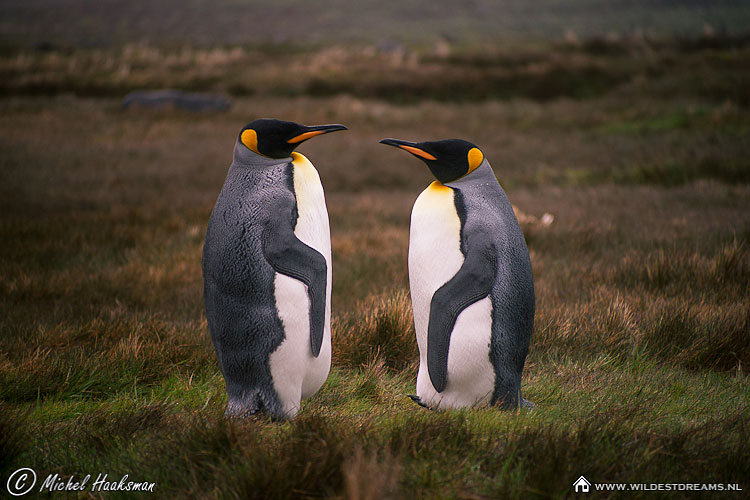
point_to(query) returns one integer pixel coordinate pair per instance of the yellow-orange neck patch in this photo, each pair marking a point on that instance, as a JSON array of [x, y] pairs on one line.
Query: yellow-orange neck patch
[[250, 139], [475, 158], [439, 187]]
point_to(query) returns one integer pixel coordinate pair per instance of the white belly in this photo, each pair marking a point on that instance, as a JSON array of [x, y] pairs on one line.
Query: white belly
[[434, 258], [296, 373]]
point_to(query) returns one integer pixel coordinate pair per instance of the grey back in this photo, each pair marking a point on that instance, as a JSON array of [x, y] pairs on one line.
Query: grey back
[[239, 282], [483, 206]]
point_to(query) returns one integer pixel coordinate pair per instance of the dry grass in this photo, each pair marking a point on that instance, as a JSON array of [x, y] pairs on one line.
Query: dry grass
[[369, 478], [638, 363], [713, 72], [381, 331]]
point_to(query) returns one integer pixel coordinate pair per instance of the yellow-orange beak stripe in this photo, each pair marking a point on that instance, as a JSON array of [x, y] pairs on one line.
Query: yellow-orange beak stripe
[[306, 135], [418, 152]]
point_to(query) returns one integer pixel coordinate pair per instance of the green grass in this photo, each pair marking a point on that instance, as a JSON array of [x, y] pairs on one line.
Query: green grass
[[638, 362], [632, 421]]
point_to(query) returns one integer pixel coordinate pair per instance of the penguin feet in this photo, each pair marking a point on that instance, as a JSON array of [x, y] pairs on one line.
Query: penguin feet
[[513, 404], [257, 404], [237, 411], [245, 405]]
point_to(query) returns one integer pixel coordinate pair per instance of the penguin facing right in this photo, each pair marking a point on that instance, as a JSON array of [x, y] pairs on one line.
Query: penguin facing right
[[267, 272], [471, 283]]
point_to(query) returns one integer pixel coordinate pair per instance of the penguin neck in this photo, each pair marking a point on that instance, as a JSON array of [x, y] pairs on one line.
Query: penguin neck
[[247, 157], [482, 175]]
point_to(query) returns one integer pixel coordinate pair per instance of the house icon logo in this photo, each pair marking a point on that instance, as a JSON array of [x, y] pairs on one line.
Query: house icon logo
[[581, 485]]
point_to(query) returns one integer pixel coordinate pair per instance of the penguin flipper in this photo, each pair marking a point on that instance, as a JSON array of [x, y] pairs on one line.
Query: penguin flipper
[[472, 283], [288, 255], [418, 400]]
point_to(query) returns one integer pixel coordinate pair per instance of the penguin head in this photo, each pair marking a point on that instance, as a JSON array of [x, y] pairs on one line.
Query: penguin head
[[277, 138], [449, 159]]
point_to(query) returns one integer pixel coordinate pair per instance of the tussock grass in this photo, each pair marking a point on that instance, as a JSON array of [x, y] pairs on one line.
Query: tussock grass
[[369, 477], [575, 70], [83, 363], [333, 449], [680, 307], [696, 337], [725, 271], [382, 333], [701, 336], [11, 438], [609, 450], [673, 174], [638, 363]]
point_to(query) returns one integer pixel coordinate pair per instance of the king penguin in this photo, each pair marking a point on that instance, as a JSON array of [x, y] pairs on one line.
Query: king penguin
[[471, 285], [267, 272]]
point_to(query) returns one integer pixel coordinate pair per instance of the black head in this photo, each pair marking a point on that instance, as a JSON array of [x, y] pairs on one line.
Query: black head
[[448, 159], [277, 138]]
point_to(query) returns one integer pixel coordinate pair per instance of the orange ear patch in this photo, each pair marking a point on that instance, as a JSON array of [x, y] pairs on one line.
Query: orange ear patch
[[475, 158], [250, 139], [418, 152], [306, 135]]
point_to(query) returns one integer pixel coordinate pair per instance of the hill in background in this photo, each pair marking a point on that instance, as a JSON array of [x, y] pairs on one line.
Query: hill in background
[[96, 23]]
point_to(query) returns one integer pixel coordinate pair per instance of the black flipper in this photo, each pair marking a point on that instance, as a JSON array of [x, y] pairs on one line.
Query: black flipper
[[418, 400], [472, 283], [291, 257]]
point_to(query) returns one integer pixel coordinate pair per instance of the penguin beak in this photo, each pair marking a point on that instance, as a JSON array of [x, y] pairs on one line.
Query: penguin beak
[[315, 130], [411, 147]]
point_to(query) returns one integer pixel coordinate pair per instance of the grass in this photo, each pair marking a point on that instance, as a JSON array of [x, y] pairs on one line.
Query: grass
[[638, 362], [711, 68]]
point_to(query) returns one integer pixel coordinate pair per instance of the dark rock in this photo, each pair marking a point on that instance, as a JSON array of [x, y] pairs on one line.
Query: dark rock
[[176, 99]]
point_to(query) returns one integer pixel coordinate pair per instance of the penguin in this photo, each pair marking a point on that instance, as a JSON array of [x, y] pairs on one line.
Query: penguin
[[267, 272], [472, 289]]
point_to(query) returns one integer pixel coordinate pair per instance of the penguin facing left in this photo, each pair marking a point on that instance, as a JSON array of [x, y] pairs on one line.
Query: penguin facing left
[[267, 272], [471, 284]]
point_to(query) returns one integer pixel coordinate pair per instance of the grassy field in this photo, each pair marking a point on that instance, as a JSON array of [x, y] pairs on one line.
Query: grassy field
[[638, 362]]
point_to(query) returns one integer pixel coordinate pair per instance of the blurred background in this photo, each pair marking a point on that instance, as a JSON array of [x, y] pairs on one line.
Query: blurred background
[[91, 23], [626, 121]]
